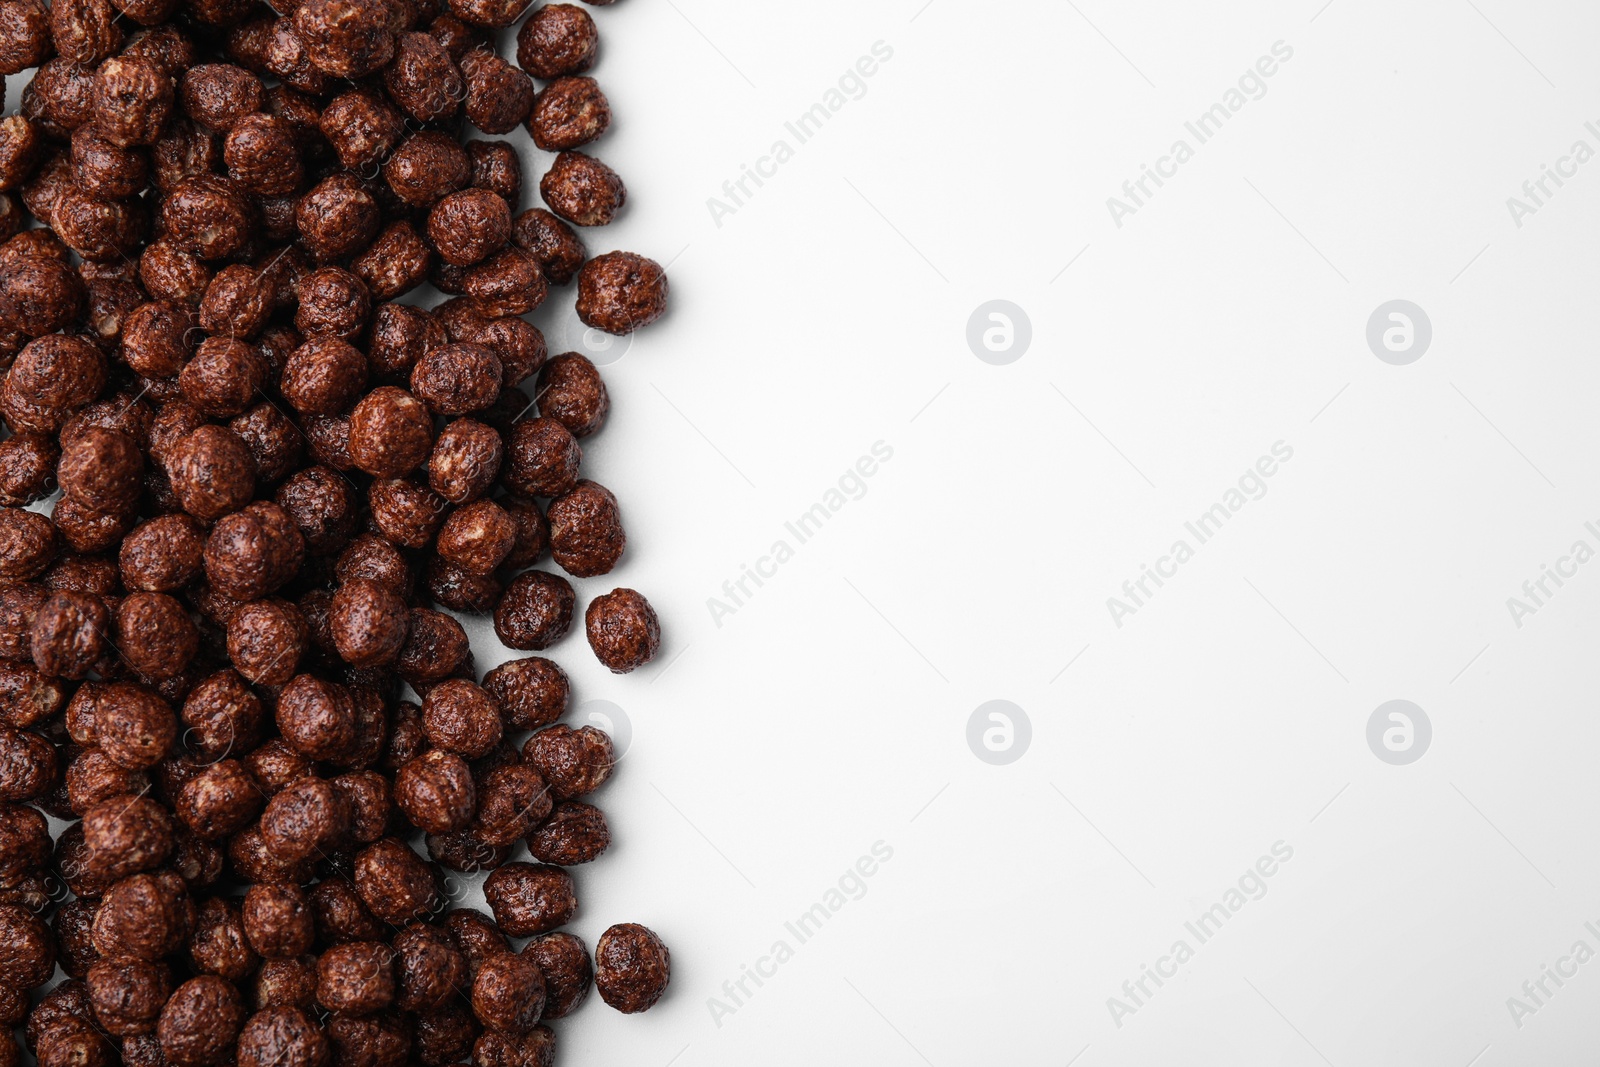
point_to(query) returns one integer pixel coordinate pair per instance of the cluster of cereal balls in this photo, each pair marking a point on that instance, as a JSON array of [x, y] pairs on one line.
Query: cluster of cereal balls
[[222, 817]]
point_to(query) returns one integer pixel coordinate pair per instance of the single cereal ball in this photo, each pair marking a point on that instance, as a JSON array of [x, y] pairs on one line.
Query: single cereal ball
[[69, 634], [436, 646], [322, 505], [445, 1036], [498, 95], [237, 302], [586, 535], [620, 292], [127, 994], [324, 376], [30, 764], [56, 372], [508, 993], [457, 379], [427, 167], [430, 969], [511, 282], [460, 717], [371, 804], [397, 262], [24, 35], [477, 537], [465, 461], [156, 338], [553, 243], [370, 556], [132, 100], [529, 899], [465, 227], [101, 469], [316, 717], [218, 945], [338, 217], [356, 978], [146, 916], [277, 920], [458, 590], [276, 765], [512, 800], [266, 641], [345, 38], [224, 377], [405, 511], [219, 94], [557, 39], [517, 342], [199, 1025], [574, 762], [537, 1046], [395, 883], [134, 725], [574, 833], [169, 273], [535, 612], [262, 155], [631, 967], [212, 472], [543, 458], [435, 791], [423, 79], [475, 935], [222, 715], [286, 983], [583, 190], [368, 622], [332, 303], [571, 391], [27, 468], [158, 639], [400, 335], [105, 170], [531, 692], [363, 128], [623, 630], [273, 439], [391, 433], [253, 552], [27, 951], [563, 959], [282, 1037], [495, 167], [75, 952], [219, 802], [27, 545], [339, 914], [306, 818], [208, 216], [569, 113]]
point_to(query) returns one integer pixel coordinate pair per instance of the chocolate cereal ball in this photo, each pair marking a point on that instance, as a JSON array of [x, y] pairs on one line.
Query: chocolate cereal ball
[[574, 833], [224, 376], [571, 391], [436, 647], [27, 951], [529, 899], [345, 38], [101, 469], [427, 167], [424, 79], [69, 634], [544, 458], [324, 376], [332, 303], [460, 717], [208, 216], [316, 717], [304, 819], [132, 99], [266, 641], [338, 217], [531, 692], [157, 637], [363, 127], [212, 471], [495, 167], [199, 1025], [128, 994], [512, 800], [253, 552], [219, 802], [290, 983], [28, 763], [218, 95], [631, 967], [457, 379], [620, 292], [498, 95], [395, 883], [477, 537], [277, 920], [430, 969], [574, 762], [368, 622], [323, 507], [282, 1037], [236, 303], [623, 630], [24, 35], [553, 243], [535, 612], [435, 791], [466, 226], [27, 468], [397, 262], [569, 113], [557, 39], [356, 978], [391, 433], [508, 993], [465, 461], [405, 511], [262, 155], [511, 282], [586, 535], [218, 945], [583, 190], [146, 916], [563, 959]]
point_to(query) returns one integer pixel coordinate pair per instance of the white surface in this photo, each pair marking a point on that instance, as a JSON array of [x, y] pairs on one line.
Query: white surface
[[773, 751]]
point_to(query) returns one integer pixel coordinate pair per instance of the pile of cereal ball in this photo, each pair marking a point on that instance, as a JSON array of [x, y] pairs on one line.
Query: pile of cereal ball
[[222, 814]]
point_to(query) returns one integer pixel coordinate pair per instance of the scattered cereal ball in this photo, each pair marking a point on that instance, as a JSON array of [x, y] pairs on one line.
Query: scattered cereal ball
[[529, 899], [370, 556], [30, 765], [569, 113], [224, 376], [362, 126], [586, 535], [286, 983], [316, 717], [465, 461], [623, 630], [39, 296], [395, 883], [583, 190], [544, 458], [574, 762], [535, 611], [27, 545], [553, 243], [458, 590], [511, 282], [266, 641], [368, 622], [132, 99], [24, 35], [435, 647], [537, 1046], [435, 791], [338, 217], [219, 802], [101, 469], [199, 1025], [212, 472], [324, 376], [27, 468], [563, 959], [557, 39], [345, 38], [397, 262], [222, 715], [134, 725], [218, 945], [495, 167], [475, 935], [460, 717], [277, 920], [169, 273], [427, 167], [253, 552], [508, 993], [282, 1037], [275, 441], [156, 338], [70, 634], [457, 379], [445, 1036], [27, 951], [430, 969], [423, 79], [571, 391], [262, 155], [405, 511], [322, 505], [531, 692], [498, 95], [477, 537], [208, 216], [218, 95], [236, 303], [620, 292], [391, 433], [466, 226], [356, 978], [631, 967], [512, 800], [158, 639], [146, 916], [400, 334], [574, 833]]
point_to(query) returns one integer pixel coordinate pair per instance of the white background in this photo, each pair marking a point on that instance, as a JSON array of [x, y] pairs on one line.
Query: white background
[[829, 712]]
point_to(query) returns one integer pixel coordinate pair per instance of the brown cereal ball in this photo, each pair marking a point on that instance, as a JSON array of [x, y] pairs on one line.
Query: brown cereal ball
[[435, 646], [394, 882], [460, 717], [134, 725], [512, 800], [557, 39], [169, 273], [583, 190], [262, 155], [218, 945], [39, 296], [224, 376], [424, 79], [324, 376], [200, 1023], [544, 458], [508, 993], [156, 338], [266, 641], [457, 379], [477, 537], [328, 440], [465, 461], [322, 506], [475, 935], [75, 952], [535, 612], [427, 167], [511, 282], [400, 334], [212, 472], [218, 95], [531, 692], [273, 439], [517, 342], [307, 817], [158, 639], [563, 959], [371, 803], [368, 623], [631, 967], [340, 916], [430, 969], [457, 37], [574, 762], [83, 574], [282, 1037], [405, 511], [184, 150], [345, 38], [253, 552], [286, 983], [39, 196], [25, 838], [288, 57], [569, 113], [58, 372], [498, 95], [69, 634], [128, 994], [338, 217], [529, 899], [495, 167], [27, 697], [27, 545], [146, 916], [277, 764], [101, 469], [28, 766], [574, 833], [132, 98], [363, 128], [458, 590], [24, 35], [435, 791], [316, 717], [496, 1048], [570, 390], [95, 228], [333, 302], [445, 1036], [21, 146], [467, 226], [553, 243], [586, 535], [28, 952], [406, 738], [27, 468], [86, 530], [620, 292], [277, 920], [396, 263], [219, 802], [391, 433], [173, 420], [237, 303], [370, 556], [356, 978], [208, 216], [105, 170], [380, 1040]]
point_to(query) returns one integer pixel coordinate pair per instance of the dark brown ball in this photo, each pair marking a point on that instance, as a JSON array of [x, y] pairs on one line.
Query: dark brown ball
[[631, 967]]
